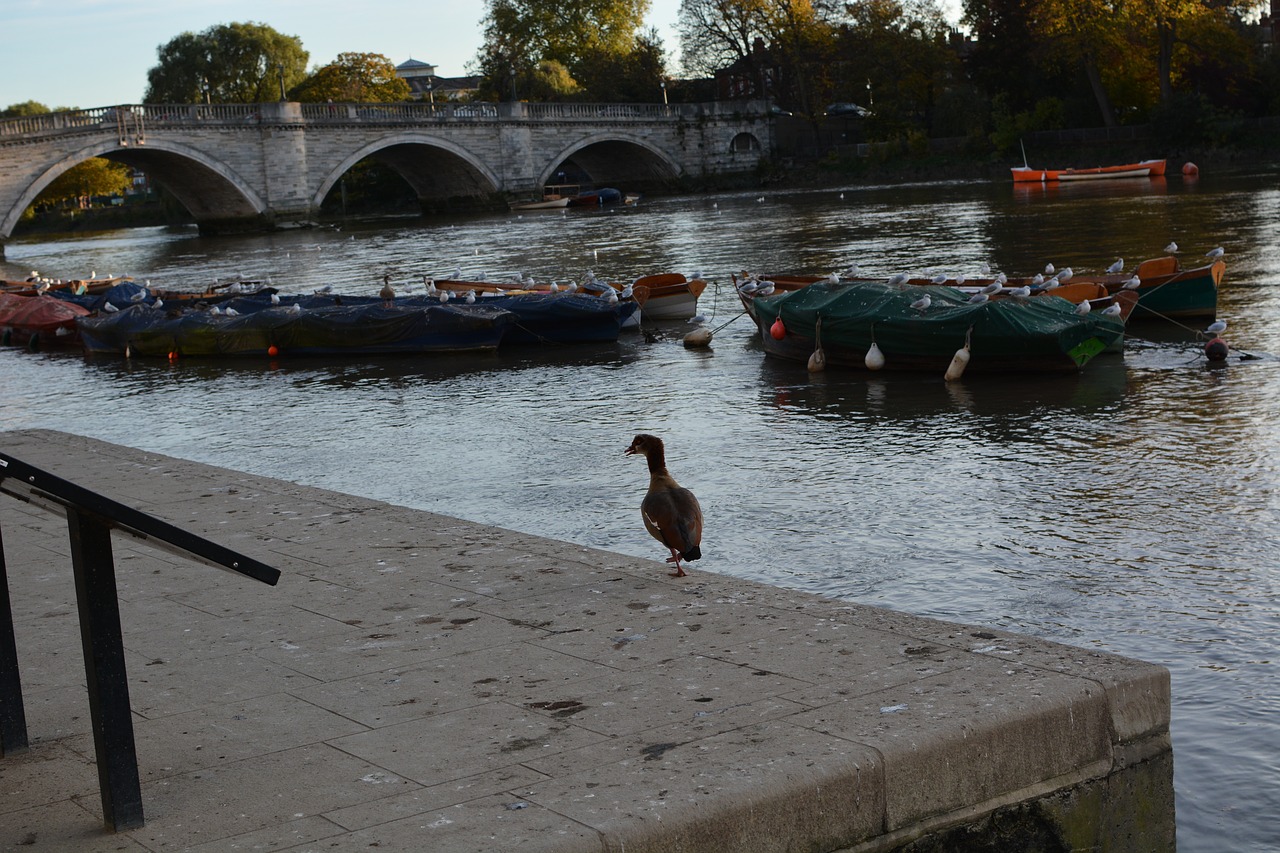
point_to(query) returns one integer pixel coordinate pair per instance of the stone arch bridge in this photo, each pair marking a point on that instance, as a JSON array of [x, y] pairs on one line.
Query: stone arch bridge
[[262, 166]]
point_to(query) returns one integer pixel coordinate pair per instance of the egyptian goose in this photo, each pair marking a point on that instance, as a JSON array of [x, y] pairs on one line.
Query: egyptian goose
[[671, 513]]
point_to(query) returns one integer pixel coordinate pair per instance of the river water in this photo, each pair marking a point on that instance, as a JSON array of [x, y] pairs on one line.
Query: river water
[[1132, 508]]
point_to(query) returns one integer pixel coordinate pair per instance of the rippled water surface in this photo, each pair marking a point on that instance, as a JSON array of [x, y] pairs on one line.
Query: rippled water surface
[[1132, 508]]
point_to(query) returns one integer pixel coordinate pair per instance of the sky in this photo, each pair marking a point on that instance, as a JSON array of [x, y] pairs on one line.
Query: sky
[[96, 53]]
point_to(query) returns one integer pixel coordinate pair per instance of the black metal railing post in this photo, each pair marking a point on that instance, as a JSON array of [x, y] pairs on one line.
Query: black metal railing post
[[13, 720], [104, 670], [90, 519]]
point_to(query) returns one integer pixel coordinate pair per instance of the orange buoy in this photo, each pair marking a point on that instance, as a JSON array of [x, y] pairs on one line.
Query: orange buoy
[[1190, 169], [778, 330], [273, 351], [173, 355]]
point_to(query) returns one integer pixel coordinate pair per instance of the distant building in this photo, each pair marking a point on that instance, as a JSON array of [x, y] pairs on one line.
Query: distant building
[[426, 85]]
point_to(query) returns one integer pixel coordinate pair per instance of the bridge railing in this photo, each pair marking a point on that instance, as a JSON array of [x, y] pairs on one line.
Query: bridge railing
[[135, 119]]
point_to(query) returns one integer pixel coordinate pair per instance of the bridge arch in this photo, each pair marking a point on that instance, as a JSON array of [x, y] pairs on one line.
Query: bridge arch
[[209, 190], [616, 158], [434, 167]]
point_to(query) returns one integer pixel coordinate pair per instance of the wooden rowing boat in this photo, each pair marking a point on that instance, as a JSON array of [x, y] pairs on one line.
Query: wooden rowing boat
[[1142, 169]]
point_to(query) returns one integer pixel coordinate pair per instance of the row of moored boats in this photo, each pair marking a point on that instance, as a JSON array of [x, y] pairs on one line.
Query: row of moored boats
[[1053, 321]]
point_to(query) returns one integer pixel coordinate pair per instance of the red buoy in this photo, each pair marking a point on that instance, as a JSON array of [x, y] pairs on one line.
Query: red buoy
[[273, 351], [778, 330], [1216, 350], [1190, 170]]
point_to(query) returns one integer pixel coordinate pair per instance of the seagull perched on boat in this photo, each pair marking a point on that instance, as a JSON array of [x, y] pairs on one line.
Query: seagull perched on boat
[[1172, 248], [1023, 291], [978, 298], [1116, 267], [991, 288], [231, 312], [833, 278], [1037, 280], [470, 298], [671, 513], [898, 280], [1112, 310], [922, 304], [1064, 275], [275, 299], [1049, 269], [1084, 307], [109, 308], [1133, 283], [443, 296], [1214, 254], [748, 287]]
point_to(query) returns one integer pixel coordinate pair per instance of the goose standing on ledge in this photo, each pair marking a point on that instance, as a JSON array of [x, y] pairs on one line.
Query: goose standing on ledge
[[671, 513]]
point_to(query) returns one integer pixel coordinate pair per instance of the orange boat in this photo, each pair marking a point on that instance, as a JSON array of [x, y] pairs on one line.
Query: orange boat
[[1142, 169]]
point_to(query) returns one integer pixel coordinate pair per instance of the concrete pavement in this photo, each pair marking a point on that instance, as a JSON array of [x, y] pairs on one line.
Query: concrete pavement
[[421, 683]]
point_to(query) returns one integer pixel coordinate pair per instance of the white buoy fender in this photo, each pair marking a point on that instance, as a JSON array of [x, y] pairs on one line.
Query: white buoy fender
[[875, 358], [959, 362], [818, 361], [698, 338]]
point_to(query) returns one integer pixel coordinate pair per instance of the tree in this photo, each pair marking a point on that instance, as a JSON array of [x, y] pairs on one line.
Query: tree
[[637, 76], [83, 181], [520, 34], [228, 63], [354, 77]]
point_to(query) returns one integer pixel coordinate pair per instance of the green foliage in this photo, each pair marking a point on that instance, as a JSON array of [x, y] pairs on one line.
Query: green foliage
[[93, 177], [521, 34], [1010, 128], [634, 76], [26, 108], [227, 63], [356, 78]]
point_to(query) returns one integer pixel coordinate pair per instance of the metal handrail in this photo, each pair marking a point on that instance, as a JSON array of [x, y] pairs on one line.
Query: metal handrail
[[90, 519]]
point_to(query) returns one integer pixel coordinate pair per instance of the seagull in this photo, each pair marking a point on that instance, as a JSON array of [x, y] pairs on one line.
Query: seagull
[[978, 298], [295, 308], [1065, 275], [1048, 269], [940, 278], [922, 304], [1084, 308], [443, 296], [470, 298], [1172, 248], [1037, 280], [1025, 290], [1002, 279], [1133, 283], [231, 312], [766, 289], [671, 513], [159, 303], [898, 280], [1116, 267], [991, 288], [275, 299], [1214, 254], [748, 287], [1216, 328], [109, 308], [139, 296], [1111, 310], [833, 278]]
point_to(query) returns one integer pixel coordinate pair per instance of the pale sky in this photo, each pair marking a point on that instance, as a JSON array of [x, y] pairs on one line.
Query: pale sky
[[96, 53]]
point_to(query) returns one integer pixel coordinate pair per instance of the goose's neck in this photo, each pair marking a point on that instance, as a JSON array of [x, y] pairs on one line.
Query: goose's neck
[[657, 460]]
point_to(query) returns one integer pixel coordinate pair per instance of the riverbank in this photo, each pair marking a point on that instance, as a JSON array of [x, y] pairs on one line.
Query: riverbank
[[420, 682]]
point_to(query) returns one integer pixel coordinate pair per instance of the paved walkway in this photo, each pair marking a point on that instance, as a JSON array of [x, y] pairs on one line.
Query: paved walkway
[[420, 683]]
